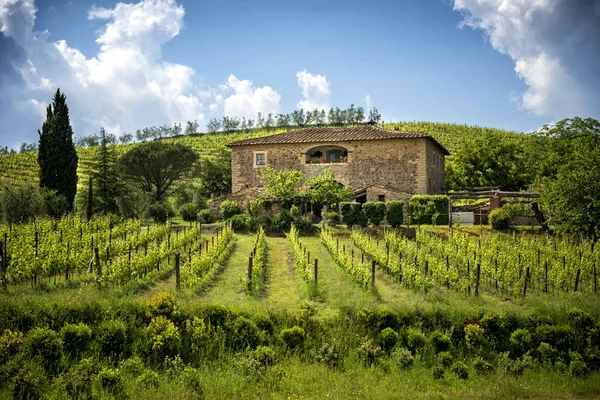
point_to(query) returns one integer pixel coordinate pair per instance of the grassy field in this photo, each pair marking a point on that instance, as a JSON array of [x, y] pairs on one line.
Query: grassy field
[[221, 342]]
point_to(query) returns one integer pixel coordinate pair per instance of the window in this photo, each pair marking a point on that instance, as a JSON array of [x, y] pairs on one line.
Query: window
[[260, 158], [382, 197]]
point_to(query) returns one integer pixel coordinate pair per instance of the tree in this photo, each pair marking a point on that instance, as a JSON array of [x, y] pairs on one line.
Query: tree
[[158, 167], [126, 138], [260, 120], [191, 127], [298, 117], [106, 177], [360, 115], [215, 174], [214, 125], [331, 116], [326, 190], [374, 115], [282, 186], [569, 167], [20, 203], [488, 160], [57, 156], [350, 114]]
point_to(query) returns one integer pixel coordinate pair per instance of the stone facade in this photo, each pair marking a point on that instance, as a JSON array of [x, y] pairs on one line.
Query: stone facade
[[412, 165]]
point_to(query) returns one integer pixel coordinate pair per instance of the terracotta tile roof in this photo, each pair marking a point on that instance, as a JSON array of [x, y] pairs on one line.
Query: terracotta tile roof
[[319, 135]]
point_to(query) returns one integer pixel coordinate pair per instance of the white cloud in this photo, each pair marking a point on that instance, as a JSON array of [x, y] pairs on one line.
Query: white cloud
[[368, 102], [545, 39], [127, 85], [246, 101], [315, 91]]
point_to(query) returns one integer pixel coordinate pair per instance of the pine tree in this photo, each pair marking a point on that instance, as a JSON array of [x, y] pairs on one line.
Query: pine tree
[[57, 156]]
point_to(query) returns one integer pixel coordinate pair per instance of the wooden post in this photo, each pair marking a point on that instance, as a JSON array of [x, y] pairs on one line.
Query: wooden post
[[250, 271], [546, 276], [387, 254], [525, 282], [373, 273], [177, 272], [316, 271], [577, 278], [477, 276], [337, 246], [308, 257]]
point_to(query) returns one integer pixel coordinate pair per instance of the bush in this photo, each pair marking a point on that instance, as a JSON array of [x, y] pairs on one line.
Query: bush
[[280, 222], [445, 358], [264, 355], [559, 336], [577, 367], [427, 209], [403, 357], [244, 222], [328, 354], [332, 218], [520, 342], [163, 304], [292, 337], [112, 338], [163, 338], [77, 383], [76, 338], [229, 208], [132, 366], [350, 212], [440, 342], [294, 211], [375, 211], [110, 380], [438, 373], [304, 225], [161, 212], [460, 370], [387, 339], [205, 216], [245, 333], [499, 219], [148, 379], [189, 211], [190, 379], [482, 367], [546, 353], [44, 345], [395, 213], [368, 352], [10, 343], [413, 338], [29, 382]]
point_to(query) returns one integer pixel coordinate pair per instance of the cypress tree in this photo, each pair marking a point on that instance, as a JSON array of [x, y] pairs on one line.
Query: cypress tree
[[57, 156]]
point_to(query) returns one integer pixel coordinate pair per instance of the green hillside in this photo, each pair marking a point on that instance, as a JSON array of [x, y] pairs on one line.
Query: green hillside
[[22, 167]]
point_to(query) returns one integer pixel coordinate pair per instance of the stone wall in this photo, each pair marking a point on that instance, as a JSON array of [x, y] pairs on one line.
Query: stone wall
[[374, 192], [243, 197], [402, 164]]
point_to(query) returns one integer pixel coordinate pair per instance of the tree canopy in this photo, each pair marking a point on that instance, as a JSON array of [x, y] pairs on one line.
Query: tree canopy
[[157, 167]]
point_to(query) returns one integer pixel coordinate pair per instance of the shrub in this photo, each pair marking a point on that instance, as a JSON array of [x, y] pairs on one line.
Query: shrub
[[546, 353], [438, 373], [440, 342], [229, 208], [332, 218], [112, 338], [387, 339], [280, 222], [244, 222], [77, 383], [403, 357], [10, 343], [460, 370], [427, 209], [205, 216], [328, 354], [265, 355], [29, 382], [350, 212], [577, 367], [292, 337], [559, 336], [413, 338], [132, 366], [110, 380], [294, 211], [304, 225], [161, 212], [191, 380], [76, 338], [148, 379], [445, 358], [375, 211], [189, 211], [499, 219], [245, 333], [368, 352], [44, 345], [520, 342], [163, 303], [20, 203], [164, 338], [474, 335], [254, 207], [482, 367], [493, 325], [395, 213]]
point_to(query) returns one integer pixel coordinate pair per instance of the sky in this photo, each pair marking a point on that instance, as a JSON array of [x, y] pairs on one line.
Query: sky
[[509, 64]]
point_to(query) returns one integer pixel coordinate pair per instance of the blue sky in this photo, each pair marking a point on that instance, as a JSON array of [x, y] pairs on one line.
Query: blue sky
[[497, 63]]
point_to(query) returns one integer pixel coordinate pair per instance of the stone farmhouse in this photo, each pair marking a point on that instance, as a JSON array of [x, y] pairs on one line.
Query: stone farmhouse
[[377, 164]]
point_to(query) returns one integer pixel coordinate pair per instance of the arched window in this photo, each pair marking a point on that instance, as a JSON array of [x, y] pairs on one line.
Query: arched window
[[327, 155]]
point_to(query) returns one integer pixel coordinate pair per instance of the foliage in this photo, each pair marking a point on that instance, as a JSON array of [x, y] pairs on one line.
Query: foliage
[[293, 337], [520, 342], [387, 339], [395, 213], [280, 222], [160, 212], [403, 357], [110, 380], [499, 219], [112, 338], [427, 209], [163, 304], [163, 338], [352, 213], [244, 222], [375, 211], [487, 160], [215, 174], [281, 186], [368, 352], [57, 157], [328, 354], [229, 208], [440, 342], [158, 167], [460, 370], [20, 203], [205, 216], [44, 345], [108, 185], [29, 383], [413, 338], [326, 190], [76, 338], [189, 211]]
